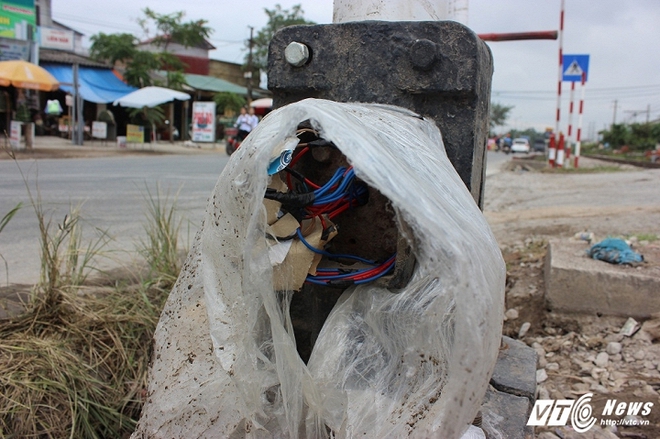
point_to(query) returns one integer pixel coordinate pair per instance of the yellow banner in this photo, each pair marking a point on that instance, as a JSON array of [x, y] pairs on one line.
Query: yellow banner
[[134, 134]]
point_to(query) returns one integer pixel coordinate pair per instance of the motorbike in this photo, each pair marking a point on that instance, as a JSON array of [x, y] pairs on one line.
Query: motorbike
[[233, 142]]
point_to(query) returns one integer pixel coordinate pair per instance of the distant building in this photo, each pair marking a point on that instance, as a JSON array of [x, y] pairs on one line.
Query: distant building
[[231, 72], [55, 35], [196, 59]]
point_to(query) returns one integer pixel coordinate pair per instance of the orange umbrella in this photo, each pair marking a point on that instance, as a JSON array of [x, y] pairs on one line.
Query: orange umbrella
[[23, 74]]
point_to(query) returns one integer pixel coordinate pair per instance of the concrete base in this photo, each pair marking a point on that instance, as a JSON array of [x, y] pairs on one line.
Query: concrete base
[[577, 283]]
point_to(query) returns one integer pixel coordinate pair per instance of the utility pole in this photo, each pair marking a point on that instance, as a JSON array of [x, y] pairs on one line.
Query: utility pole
[[248, 74], [635, 113], [77, 122], [614, 118]]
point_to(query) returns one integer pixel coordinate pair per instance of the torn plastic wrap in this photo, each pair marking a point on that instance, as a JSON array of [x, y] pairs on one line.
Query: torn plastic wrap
[[412, 362]]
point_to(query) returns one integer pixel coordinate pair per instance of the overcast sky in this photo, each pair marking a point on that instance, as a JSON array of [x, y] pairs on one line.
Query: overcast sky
[[622, 38]]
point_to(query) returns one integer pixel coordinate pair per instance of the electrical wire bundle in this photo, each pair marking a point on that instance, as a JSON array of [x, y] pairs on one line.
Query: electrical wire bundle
[[308, 200]]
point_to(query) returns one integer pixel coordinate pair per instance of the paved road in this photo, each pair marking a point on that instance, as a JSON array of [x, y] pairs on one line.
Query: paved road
[[113, 191], [494, 160]]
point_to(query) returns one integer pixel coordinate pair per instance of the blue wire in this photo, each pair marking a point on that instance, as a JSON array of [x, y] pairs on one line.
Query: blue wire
[[331, 255], [319, 279], [340, 191], [338, 173]]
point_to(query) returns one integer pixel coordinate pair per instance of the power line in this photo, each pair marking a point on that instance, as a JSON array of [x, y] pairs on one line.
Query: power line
[[74, 19], [590, 89], [133, 29]]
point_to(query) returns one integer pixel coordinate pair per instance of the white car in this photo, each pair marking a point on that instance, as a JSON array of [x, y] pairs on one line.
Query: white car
[[520, 145]]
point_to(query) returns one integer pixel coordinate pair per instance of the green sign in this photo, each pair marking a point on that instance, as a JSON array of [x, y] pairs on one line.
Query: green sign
[[15, 16]]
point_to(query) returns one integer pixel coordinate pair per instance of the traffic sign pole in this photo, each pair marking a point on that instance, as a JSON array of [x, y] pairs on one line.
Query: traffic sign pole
[[579, 128], [551, 151], [569, 134]]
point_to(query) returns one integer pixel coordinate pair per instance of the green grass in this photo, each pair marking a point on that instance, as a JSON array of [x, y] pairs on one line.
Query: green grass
[[583, 170], [161, 248], [650, 237]]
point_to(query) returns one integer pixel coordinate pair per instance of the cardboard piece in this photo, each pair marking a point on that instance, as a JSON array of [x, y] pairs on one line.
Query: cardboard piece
[[283, 227], [292, 272]]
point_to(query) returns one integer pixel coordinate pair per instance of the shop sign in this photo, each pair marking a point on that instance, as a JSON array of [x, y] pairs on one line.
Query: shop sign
[[134, 134], [15, 16], [99, 130], [203, 121], [57, 38], [11, 50], [15, 134]]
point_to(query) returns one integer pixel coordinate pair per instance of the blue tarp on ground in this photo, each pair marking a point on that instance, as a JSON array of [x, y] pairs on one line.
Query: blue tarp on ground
[[100, 86], [615, 251]]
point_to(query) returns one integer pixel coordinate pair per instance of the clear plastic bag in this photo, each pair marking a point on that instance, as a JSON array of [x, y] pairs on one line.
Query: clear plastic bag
[[387, 364]]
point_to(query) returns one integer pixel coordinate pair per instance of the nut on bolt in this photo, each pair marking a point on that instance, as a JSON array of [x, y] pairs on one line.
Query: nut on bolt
[[296, 54]]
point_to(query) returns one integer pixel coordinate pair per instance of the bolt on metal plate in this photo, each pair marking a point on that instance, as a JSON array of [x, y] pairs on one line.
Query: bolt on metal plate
[[296, 54]]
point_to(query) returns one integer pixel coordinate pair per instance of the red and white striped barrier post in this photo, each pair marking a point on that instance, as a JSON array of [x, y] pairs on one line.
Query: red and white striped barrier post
[[551, 151], [561, 146], [569, 134], [579, 127]]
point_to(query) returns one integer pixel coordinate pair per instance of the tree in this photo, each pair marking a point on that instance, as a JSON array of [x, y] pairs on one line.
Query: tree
[[498, 114], [617, 136], [169, 28], [229, 101], [277, 19]]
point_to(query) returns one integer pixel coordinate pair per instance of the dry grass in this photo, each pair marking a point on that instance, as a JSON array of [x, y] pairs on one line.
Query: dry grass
[[3, 223], [74, 364], [78, 370]]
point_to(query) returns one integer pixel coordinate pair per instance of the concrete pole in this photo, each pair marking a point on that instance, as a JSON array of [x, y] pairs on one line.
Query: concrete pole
[[394, 10]]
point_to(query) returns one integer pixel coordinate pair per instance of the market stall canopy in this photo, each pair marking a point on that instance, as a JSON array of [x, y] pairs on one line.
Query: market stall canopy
[[217, 85], [262, 103], [151, 97], [97, 85], [23, 74], [213, 84]]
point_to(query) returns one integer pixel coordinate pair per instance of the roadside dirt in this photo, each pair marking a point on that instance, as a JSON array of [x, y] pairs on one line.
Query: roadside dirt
[[525, 209]]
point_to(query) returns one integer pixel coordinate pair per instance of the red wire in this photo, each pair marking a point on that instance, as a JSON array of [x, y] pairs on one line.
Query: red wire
[[297, 157], [312, 184], [373, 272], [293, 162]]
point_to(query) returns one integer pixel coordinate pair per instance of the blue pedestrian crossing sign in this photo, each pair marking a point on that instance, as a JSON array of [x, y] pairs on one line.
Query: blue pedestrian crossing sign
[[573, 66]]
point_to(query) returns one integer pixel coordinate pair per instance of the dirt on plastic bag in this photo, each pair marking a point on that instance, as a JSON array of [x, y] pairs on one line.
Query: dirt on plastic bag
[[412, 362]]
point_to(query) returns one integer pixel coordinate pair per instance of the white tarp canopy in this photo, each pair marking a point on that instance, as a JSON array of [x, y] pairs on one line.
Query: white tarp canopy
[[262, 103], [150, 97]]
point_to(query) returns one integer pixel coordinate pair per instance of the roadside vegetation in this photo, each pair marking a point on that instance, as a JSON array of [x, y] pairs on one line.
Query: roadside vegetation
[[635, 142], [582, 169], [3, 223], [74, 364]]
